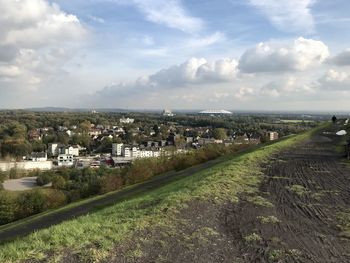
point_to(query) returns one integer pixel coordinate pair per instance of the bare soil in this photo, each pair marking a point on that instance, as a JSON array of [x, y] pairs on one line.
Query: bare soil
[[292, 218]]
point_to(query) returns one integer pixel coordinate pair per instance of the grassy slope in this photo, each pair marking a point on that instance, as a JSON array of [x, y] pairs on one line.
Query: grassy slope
[[99, 231]]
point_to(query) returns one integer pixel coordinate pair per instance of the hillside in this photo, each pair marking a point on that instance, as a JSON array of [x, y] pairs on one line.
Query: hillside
[[284, 202]]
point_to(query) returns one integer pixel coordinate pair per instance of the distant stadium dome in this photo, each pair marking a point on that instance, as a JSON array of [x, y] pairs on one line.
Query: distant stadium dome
[[215, 112]]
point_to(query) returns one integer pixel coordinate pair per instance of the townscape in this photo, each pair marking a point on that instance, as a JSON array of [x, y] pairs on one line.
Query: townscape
[[77, 155], [174, 131], [117, 142]]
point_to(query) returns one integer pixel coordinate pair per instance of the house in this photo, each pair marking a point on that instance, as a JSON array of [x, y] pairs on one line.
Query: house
[[70, 133], [271, 136], [126, 120], [94, 132], [34, 135], [168, 113], [56, 149], [162, 143], [203, 141], [126, 152], [65, 160], [117, 149], [73, 150], [37, 157], [243, 139], [53, 149]]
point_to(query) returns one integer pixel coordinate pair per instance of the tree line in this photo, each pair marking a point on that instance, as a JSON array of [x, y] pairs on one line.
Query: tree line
[[70, 184]]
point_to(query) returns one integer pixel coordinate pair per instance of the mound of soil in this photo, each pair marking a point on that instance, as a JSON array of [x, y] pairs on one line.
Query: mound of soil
[[292, 218]]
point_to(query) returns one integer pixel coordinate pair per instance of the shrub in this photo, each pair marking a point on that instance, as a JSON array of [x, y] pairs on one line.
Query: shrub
[[58, 182], [30, 203], [44, 179], [8, 208]]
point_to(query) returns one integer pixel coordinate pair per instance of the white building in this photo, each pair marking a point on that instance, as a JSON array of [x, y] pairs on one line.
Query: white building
[[65, 160], [38, 157], [126, 120], [271, 136], [72, 150], [117, 149], [126, 152], [168, 113], [70, 133], [53, 149]]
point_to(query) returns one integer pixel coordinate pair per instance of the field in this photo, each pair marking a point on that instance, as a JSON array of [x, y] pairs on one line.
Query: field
[[285, 202], [296, 121]]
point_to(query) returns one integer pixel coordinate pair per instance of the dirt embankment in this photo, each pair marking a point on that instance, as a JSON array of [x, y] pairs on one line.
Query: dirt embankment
[[294, 217]]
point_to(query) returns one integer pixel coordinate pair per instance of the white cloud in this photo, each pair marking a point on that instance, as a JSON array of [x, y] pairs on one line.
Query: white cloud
[[287, 15], [169, 13], [272, 57], [341, 59], [195, 71], [97, 19], [35, 40], [334, 80], [36, 23], [205, 41], [287, 86], [9, 71], [244, 93]]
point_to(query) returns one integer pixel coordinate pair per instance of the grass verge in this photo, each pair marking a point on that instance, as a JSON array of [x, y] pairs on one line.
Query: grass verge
[[97, 233]]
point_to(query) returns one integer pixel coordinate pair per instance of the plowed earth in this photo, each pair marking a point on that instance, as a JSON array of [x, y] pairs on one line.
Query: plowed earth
[[294, 217]]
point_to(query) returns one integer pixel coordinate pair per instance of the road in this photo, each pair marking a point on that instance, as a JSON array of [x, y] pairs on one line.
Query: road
[[22, 184]]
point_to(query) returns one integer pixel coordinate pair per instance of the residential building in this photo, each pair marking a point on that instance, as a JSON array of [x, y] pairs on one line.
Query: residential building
[[94, 132], [168, 113], [52, 149], [126, 152], [37, 157], [117, 149], [65, 160], [271, 136], [126, 120]]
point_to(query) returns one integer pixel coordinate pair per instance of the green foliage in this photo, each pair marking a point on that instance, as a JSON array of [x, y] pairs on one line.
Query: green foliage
[[44, 178], [268, 219], [254, 237], [8, 208], [31, 202], [219, 134], [58, 182], [298, 189]]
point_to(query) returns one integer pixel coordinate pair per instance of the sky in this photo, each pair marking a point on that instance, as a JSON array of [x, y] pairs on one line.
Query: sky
[[176, 54]]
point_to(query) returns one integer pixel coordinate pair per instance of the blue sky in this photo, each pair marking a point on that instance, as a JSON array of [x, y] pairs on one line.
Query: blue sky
[[234, 54]]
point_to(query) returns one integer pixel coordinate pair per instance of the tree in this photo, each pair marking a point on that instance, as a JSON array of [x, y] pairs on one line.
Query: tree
[[7, 208], [219, 134], [30, 203], [58, 182]]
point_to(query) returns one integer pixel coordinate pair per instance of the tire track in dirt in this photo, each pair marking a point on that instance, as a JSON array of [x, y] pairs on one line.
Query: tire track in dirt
[[306, 187]]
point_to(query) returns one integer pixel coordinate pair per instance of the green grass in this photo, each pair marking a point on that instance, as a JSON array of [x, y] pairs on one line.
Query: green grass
[[298, 189], [296, 121], [343, 220], [97, 233]]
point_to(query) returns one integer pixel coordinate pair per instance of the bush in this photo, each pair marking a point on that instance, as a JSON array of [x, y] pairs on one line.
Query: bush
[[58, 182], [8, 208], [44, 179], [30, 203], [54, 198]]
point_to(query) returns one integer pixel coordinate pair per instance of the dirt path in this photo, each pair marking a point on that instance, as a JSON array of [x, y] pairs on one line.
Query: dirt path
[[306, 189]]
